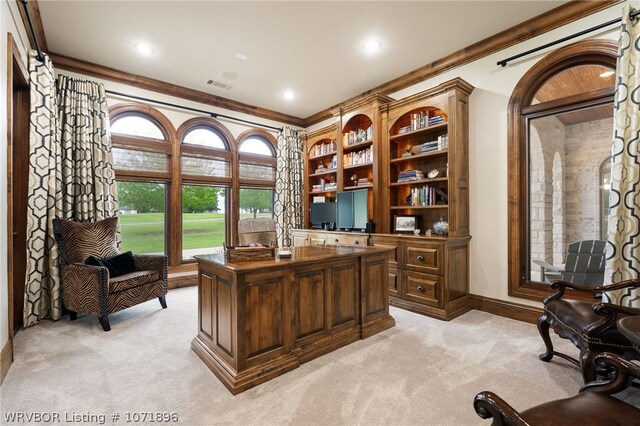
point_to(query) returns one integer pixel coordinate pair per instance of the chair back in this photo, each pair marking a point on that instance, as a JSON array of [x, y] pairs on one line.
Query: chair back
[[77, 240], [585, 262], [260, 230]]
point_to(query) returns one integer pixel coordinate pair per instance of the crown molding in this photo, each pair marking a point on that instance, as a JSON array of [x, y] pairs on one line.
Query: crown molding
[[554, 18]]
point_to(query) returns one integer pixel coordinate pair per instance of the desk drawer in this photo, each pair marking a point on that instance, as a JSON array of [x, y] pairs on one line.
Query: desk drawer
[[348, 240], [424, 258]]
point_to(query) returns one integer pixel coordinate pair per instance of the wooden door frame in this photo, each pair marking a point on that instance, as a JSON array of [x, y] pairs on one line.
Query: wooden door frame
[[15, 72]]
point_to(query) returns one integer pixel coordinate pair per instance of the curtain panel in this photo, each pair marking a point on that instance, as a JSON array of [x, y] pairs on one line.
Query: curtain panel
[[623, 249], [71, 175], [289, 193]]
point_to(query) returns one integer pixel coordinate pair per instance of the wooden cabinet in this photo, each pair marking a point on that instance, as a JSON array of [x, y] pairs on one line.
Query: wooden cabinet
[[425, 275]]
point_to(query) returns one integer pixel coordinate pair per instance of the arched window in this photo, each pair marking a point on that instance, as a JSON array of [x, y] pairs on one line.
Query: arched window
[[142, 144], [257, 174], [561, 118], [206, 175]]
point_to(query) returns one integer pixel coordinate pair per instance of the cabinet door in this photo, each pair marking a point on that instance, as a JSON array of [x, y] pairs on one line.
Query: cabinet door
[[422, 288], [300, 240]]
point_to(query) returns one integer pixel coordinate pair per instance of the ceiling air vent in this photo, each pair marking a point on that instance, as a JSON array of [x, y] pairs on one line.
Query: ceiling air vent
[[218, 84]]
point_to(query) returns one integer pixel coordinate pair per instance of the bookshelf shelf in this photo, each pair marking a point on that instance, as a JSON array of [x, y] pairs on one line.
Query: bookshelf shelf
[[357, 146], [418, 132], [326, 172], [419, 182], [435, 207], [419, 156], [321, 156], [349, 188], [358, 166]]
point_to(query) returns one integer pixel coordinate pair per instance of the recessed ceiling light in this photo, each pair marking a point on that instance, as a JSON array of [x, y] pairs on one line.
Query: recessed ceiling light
[[607, 74], [372, 45], [288, 95], [143, 48], [242, 56]]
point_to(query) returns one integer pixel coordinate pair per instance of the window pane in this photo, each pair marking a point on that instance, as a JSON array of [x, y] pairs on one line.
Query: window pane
[[256, 202], [204, 137], [203, 220], [258, 172], [129, 159], [136, 125], [200, 166], [566, 152], [256, 146], [574, 81], [142, 216]]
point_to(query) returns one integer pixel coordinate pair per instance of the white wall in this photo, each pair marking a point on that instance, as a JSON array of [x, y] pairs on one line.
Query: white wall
[[9, 23]]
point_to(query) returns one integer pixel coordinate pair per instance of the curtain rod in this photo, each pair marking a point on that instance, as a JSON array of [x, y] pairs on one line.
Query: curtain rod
[[503, 62], [40, 57], [211, 114]]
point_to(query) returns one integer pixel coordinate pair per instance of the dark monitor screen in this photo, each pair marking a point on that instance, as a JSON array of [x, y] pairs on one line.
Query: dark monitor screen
[[323, 213], [353, 209]]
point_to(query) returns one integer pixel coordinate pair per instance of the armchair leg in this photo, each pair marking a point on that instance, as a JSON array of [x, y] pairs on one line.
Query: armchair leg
[[163, 302], [543, 329], [73, 315], [587, 366], [104, 322]]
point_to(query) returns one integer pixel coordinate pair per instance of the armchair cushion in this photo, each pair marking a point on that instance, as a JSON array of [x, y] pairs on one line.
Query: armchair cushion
[[117, 265], [575, 314], [132, 279], [78, 240]]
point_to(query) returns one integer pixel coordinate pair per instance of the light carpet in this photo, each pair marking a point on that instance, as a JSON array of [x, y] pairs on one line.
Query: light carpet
[[422, 371]]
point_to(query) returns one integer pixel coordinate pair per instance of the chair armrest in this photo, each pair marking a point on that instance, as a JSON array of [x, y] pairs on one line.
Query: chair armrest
[[152, 262], [623, 373], [489, 405], [85, 288], [561, 286], [547, 265]]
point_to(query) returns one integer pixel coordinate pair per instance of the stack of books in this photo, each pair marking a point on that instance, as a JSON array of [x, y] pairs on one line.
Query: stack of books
[[435, 145], [330, 186], [363, 182], [436, 119], [324, 148], [359, 157], [409, 175]]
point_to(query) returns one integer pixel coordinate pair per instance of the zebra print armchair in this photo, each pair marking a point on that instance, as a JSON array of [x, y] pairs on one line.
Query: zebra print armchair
[[89, 289]]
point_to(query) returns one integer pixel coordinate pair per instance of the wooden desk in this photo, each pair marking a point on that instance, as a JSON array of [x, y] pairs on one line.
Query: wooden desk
[[260, 319]]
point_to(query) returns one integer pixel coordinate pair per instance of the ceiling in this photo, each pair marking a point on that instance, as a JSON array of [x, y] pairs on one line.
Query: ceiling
[[313, 48]]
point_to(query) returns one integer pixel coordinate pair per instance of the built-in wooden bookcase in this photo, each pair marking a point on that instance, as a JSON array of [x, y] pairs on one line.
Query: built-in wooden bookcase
[[321, 171], [360, 141], [427, 158]]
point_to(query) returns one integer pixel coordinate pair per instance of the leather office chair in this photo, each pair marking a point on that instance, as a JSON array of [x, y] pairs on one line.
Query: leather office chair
[[590, 325], [89, 288], [261, 230], [592, 406], [584, 264]]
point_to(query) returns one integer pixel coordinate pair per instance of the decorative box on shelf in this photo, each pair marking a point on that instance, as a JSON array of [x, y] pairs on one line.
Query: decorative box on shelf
[[249, 252]]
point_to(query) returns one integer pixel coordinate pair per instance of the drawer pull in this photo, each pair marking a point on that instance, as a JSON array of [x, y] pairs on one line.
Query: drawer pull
[[356, 242], [421, 289], [336, 240], [421, 258]]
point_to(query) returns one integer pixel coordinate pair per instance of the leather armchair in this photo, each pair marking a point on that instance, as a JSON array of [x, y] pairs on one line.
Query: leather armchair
[[590, 325], [593, 405], [89, 289]]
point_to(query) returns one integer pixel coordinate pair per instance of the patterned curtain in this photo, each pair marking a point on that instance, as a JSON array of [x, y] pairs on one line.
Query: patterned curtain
[[623, 252], [71, 175], [289, 196]]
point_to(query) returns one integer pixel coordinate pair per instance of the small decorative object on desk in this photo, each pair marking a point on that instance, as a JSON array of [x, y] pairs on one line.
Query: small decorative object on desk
[[407, 152], [440, 227], [416, 231], [250, 252]]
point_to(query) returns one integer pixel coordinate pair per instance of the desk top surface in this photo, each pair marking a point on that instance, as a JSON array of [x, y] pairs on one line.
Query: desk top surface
[[299, 255]]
